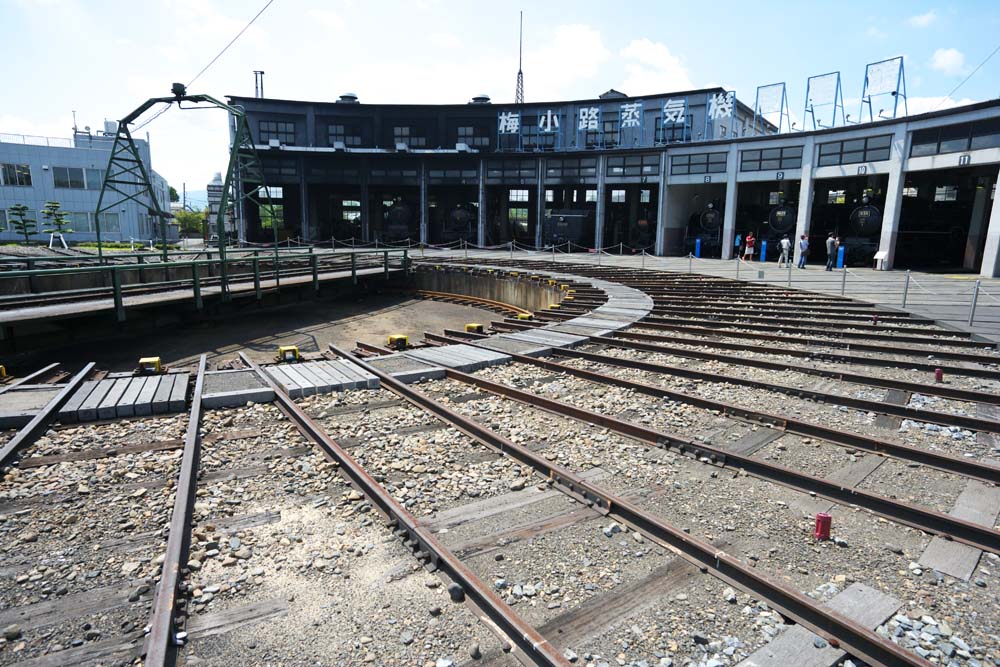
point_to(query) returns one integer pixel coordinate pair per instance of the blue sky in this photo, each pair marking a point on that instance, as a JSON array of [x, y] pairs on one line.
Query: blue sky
[[104, 57]]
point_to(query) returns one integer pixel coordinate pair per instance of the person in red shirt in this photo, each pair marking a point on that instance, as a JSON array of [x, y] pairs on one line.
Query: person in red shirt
[[751, 242]]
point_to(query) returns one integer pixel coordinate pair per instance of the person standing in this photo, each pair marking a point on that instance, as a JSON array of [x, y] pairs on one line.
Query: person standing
[[831, 251], [786, 248], [748, 249], [803, 250]]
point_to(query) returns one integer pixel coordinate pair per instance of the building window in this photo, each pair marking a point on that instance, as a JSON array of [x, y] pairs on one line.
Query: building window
[[956, 138], [349, 134], [473, 136], [590, 195], [283, 131], [76, 178], [771, 159], [644, 196], [518, 219], [511, 169], [15, 174], [634, 165], [3, 221], [280, 169], [946, 193], [111, 222], [836, 197], [610, 134], [267, 220], [774, 198], [518, 195], [672, 133], [571, 168], [698, 163], [617, 196], [909, 192], [852, 151], [550, 196], [404, 134]]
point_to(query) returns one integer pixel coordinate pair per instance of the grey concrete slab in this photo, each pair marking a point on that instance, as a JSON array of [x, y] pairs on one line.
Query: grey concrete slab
[[352, 370], [549, 338], [88, 409], [511, 345], [161, 399], [109, 404], [319, 382], [580, 330], [460, 357], [797, 645], [306, 386], [178, 393], [237, 397], [217, 382], [284, 381], [342, 378], [19, 406], [331, 381], [126, 404], [406, 369], [978, 503], [144, 401], [67, 415]]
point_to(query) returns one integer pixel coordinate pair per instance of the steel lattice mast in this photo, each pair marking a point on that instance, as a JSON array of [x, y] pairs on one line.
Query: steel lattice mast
[[519, 94]]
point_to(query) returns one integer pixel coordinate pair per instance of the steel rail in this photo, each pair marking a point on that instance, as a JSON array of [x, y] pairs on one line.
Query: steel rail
[[929, 520], [474, 300], [161, 640], [954, 464], [852, 636], [834, 332], [28, 378], [819, 356], [535, 647], [35, 428], [903, 411], [730, 312], [858, 378], [731, 331]]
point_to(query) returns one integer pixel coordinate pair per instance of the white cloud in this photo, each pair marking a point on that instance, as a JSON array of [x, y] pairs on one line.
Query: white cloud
[[445, 40], [327, 18], [922, 20], [917, 105], [875, 33], [650, 67], [948, 61]]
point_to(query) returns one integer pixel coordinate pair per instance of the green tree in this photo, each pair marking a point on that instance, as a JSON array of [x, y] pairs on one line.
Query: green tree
[[173, 194], [20, 221], [54, 215], [190, 222]]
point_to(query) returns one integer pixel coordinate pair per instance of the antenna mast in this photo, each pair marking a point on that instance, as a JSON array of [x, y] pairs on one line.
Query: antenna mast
[[519, 95]]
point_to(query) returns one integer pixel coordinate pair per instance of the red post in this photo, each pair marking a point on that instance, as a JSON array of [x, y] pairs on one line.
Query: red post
[[823, 522], [938, 375]]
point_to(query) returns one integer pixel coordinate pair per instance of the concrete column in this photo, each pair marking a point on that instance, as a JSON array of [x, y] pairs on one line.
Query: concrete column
[[661, 209], [977, 224], [599, 213], [303, 201], [729, 215], [893, 196], [803, 220], [481, 217], [366, 211], [991, 253], [423, 202], [540, 204]]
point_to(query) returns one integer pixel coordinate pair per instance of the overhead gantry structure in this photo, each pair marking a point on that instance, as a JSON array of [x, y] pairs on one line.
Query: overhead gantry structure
[[127, 177]]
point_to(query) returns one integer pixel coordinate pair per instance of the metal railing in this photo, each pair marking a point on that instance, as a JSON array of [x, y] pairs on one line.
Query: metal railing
[[183, 275]]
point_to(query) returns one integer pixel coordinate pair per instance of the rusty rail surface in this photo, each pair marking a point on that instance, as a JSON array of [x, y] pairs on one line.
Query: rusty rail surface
[[535, 647], [852, 636], [160, 644], [903, 411]]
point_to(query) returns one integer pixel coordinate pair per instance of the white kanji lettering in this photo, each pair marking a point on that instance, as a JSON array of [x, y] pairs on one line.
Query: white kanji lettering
[[721, 105], [509, 122], [630, 114], [674, 111], [588, 118], [548, 122]]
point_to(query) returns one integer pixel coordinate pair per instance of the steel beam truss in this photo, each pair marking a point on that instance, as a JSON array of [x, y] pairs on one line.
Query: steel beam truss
[[127, 177]]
